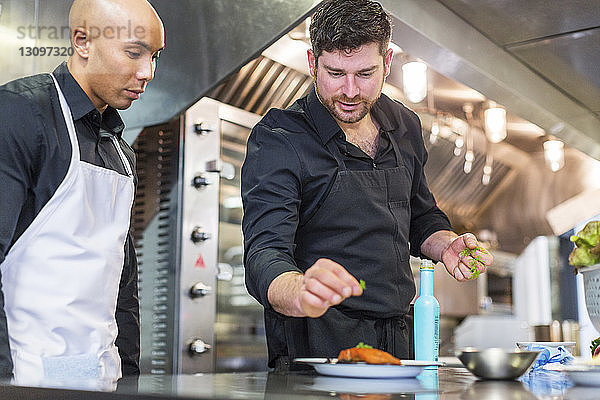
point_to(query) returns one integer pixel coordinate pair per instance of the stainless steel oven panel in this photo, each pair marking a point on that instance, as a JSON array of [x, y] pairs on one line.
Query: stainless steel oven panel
[[199, 238]]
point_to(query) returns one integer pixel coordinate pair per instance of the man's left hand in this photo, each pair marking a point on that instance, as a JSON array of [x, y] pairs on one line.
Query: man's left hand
[[465, 256]]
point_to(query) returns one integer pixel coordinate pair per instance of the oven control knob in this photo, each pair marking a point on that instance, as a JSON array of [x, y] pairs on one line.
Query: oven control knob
[[200, 181], [199, 347], [199, 236], [204, 128], [200, 290]]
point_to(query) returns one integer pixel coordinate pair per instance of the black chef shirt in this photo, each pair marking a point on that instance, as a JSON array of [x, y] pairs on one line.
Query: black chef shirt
[[35, 153], [288, 172]]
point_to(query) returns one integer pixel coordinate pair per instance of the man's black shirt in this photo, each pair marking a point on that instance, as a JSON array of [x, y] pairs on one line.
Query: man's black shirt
[[35, 153], [288, 172]]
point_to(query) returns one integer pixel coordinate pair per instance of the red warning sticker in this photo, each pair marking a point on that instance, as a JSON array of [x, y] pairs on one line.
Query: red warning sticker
[[200, 262]]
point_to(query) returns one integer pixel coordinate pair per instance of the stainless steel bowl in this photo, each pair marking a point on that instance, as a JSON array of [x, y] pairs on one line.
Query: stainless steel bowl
[[496, 363]]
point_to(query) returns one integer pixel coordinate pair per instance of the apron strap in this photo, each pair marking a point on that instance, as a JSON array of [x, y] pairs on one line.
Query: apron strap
[[396, 149]]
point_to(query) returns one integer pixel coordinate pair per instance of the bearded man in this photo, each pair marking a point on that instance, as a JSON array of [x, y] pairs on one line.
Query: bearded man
[[334, 192]]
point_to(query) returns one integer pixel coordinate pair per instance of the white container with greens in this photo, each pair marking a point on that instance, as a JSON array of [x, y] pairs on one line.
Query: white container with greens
[[585, 257]]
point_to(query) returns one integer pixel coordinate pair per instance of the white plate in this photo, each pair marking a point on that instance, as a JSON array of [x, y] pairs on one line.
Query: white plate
[[584, 375], [329, 366]]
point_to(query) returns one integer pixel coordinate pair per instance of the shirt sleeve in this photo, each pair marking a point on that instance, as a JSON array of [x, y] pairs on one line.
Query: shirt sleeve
[[19, 159], [426, 217], [128, 313], [271, 187]]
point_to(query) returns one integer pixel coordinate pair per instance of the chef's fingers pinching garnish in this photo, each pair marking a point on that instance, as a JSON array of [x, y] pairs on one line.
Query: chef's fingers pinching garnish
[[475, 262]]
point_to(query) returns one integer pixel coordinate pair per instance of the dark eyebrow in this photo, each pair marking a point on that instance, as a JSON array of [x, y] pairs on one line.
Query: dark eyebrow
[[144, 45], [332, 69], [368, 69]]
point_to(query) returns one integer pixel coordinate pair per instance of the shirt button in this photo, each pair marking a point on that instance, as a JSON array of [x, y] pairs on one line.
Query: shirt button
[[374, 165]]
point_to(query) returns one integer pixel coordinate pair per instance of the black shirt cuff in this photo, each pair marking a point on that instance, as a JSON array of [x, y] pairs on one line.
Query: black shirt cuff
[[262, 268]]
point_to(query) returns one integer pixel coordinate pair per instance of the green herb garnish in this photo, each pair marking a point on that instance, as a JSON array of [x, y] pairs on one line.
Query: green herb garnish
[[475, 261], [361, 345], [362, 284]]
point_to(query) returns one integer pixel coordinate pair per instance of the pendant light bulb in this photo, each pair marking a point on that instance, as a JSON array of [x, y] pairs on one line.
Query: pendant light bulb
[[554, 153], [414, 81], [485, 180], [487, 169], [495, 124], [469, 158], [435, 131], [468, 167]]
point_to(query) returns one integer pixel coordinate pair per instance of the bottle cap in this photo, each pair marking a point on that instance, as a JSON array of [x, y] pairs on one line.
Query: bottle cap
[[426, 264]]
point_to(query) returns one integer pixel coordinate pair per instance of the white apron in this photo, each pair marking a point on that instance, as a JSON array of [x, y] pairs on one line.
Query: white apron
[[61, 277]]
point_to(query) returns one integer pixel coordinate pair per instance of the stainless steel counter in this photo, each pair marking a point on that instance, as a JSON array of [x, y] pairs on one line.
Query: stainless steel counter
[[447, 383]]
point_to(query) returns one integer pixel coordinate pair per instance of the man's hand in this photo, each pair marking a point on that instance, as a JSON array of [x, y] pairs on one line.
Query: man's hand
[[459, 263], [325, 284]]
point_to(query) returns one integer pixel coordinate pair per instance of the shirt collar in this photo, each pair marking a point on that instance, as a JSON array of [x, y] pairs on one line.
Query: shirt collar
[[81, 105], [324, 122], [384, 111]]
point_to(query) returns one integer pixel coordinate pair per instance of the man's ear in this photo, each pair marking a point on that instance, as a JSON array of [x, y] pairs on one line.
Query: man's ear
[[312, 62], [80, 41], [389, 55]]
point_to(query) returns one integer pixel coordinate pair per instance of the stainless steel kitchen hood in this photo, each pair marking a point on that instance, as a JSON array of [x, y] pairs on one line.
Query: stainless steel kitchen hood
[[535, 57], [207, 41]]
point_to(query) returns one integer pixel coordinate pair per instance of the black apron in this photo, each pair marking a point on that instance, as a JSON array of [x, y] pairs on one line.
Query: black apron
[[362, 224]]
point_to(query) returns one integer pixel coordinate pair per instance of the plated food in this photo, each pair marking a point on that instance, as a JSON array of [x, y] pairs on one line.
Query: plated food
[[363, 361], [366, 353]]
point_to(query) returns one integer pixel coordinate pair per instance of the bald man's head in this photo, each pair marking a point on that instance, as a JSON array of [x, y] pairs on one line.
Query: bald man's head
[[120, 18], [116, 44]]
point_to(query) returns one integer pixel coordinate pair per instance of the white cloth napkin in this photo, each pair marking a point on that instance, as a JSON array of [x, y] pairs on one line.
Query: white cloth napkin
[[549, 355]]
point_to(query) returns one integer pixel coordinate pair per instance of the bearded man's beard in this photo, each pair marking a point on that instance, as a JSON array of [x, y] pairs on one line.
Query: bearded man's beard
[[348, 117]]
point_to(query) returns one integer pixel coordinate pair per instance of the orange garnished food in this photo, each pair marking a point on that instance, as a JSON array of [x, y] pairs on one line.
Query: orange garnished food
[[364, 353]]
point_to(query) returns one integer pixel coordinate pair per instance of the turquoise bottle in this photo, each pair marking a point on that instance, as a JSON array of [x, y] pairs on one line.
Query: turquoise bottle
[[427, 317], [429, 381]]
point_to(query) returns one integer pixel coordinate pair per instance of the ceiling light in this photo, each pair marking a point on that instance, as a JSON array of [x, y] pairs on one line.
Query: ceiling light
[[468, 167], [469, 158], [495, 124], [435, 131], [487, 169], [414, 81], [554, 153], [458, 145], [485, 179]]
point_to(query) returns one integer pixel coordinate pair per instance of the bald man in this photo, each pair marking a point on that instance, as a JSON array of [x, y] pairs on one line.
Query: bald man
[[69, 306]]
